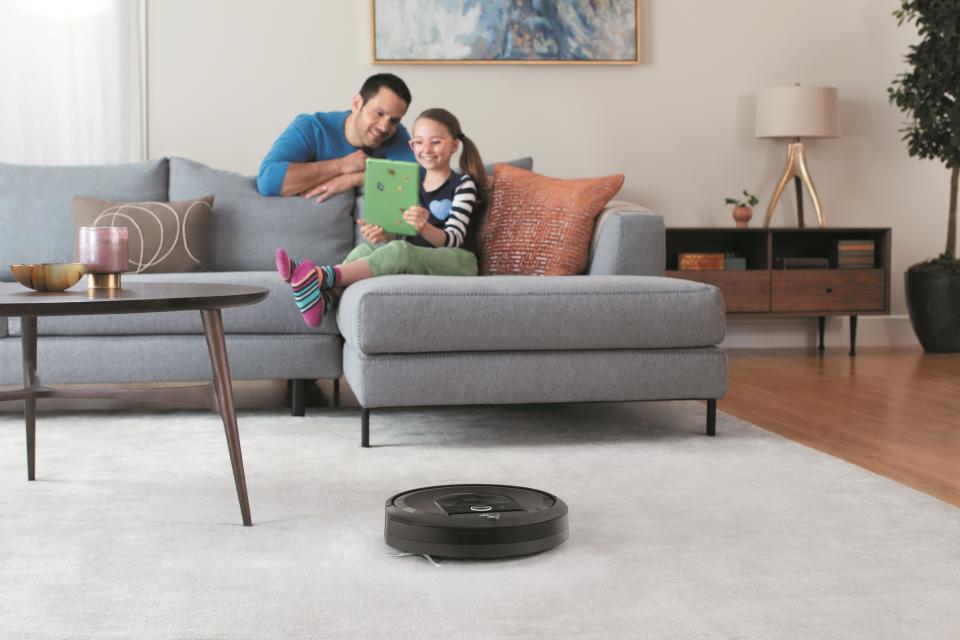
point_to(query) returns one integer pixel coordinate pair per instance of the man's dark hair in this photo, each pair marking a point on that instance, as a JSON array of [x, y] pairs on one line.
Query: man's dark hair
[[373, 84]]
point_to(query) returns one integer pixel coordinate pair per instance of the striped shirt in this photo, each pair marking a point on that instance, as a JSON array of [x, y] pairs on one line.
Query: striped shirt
[[450, 206]]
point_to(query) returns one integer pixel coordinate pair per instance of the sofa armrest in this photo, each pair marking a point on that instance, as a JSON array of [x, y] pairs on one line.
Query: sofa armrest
[[627, 240]]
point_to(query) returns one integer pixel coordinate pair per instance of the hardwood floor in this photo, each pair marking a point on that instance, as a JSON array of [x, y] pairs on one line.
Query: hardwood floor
[[895, 412]]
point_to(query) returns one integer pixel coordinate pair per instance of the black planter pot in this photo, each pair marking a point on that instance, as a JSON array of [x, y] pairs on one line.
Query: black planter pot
[[933, 300]]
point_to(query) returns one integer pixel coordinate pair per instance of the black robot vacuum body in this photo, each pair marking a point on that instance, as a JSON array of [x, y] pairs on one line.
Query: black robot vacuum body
[[475, 521]]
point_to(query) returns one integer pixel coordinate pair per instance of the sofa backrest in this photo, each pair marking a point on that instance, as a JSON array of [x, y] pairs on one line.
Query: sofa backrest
[[36, 215], [248, 227], [37, 223]]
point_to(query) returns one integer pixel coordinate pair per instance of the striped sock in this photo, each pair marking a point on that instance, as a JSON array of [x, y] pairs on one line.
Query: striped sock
[[312, 301], [285, 266], [329, 277]]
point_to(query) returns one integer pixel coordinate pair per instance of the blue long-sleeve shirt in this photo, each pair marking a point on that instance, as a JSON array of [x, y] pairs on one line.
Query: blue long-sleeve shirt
[[319, 136]]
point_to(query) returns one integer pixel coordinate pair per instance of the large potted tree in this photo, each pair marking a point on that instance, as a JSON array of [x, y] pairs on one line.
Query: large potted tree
[[929, 94]]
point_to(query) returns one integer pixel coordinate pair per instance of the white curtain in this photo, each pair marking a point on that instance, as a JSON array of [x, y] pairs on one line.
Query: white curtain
[[72, 81]]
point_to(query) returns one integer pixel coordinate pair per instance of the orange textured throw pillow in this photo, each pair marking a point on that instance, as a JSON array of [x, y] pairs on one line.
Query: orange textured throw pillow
[[541, 226]]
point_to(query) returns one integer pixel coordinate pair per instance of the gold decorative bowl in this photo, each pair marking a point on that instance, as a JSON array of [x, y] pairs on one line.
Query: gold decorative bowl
[[53, 276]]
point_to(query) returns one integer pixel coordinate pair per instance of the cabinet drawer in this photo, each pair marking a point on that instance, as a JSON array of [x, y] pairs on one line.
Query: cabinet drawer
[[828, 290], [743, 291]]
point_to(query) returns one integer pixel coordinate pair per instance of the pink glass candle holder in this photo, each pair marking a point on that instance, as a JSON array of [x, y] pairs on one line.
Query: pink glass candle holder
[[104, 253]]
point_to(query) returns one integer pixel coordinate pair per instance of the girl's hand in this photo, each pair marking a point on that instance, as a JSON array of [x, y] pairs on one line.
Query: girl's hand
[[374, 234], [417, 216]]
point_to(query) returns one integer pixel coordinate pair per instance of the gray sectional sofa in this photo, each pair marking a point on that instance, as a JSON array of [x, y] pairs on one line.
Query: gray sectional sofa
[[618, 333]]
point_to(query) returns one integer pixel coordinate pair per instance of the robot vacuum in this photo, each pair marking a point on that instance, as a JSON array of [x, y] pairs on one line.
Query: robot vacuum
[[475, 521]]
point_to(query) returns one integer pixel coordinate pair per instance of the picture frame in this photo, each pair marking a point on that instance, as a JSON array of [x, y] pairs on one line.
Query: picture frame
[[505, 32]]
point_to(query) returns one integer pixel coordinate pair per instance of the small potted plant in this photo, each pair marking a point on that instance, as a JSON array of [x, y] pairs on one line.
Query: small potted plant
[[927, 94], [743, 209]]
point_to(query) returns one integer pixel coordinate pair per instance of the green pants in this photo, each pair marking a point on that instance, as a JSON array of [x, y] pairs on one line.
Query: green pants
[[399, 256]]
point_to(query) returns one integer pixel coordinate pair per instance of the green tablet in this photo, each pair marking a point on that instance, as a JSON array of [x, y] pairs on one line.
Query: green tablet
[[390, 187]]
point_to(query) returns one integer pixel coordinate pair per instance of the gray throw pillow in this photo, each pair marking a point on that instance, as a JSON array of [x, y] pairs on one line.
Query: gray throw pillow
[[164, 237]]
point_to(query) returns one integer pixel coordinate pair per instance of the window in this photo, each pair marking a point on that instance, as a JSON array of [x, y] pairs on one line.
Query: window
[[72, 81]]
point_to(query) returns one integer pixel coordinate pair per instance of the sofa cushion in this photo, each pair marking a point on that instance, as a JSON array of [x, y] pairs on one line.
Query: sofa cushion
[[277, 314], [35, 204], [415, 314], [541, 226], [164, 237], [248, 227]]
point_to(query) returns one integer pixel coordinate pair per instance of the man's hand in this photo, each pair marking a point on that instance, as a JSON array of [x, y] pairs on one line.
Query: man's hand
[[374, 234], [334, 186], [416, 216], [354, 162]]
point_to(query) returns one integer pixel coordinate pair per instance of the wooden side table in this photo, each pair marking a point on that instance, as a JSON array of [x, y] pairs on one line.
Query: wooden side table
[[208, 299], [766, 289]]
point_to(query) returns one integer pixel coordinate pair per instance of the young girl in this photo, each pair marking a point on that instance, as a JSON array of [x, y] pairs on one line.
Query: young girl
[[449, 201]]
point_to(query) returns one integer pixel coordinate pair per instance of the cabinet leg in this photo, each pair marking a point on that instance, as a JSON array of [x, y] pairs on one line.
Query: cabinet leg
[[853, 335], [821, 325]]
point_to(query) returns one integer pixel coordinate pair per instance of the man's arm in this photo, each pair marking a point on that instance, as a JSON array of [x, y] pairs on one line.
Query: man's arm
[[302, 177], [335, 185], [290, 168]]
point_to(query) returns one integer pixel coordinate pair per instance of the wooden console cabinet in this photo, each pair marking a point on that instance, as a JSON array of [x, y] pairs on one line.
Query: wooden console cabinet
[[766, 288]]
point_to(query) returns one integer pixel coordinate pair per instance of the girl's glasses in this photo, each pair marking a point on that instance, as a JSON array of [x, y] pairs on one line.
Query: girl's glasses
[[419, 144]]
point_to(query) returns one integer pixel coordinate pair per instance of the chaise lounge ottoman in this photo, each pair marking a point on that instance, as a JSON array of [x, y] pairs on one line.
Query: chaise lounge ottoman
[[429, 340]]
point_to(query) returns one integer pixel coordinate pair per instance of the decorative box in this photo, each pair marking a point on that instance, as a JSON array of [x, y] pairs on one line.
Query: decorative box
[[701, 261]]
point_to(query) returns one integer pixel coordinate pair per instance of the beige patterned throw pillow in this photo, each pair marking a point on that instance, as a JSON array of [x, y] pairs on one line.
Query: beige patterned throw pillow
[[541, 226], [164, 237]]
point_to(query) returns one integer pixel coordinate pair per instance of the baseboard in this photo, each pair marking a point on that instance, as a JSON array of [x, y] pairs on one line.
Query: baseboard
[[771, 333]]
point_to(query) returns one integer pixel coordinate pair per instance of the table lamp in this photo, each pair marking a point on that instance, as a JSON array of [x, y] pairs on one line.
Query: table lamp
[[797, 112]]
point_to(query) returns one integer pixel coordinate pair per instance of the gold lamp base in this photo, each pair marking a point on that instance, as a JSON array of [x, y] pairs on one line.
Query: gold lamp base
[[103, 281], [796, 168]]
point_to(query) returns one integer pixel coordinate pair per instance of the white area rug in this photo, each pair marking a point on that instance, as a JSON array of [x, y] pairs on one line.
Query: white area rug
[[132, 530]]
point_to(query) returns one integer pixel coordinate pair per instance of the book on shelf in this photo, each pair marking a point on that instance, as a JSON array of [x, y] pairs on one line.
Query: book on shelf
[[855, 245], [856, 263], [856, 254]]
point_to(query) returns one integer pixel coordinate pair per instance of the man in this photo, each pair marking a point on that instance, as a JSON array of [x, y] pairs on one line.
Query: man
[[323, 154]]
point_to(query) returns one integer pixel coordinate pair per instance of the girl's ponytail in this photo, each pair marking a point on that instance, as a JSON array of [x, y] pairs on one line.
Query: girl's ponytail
[[472, 164]]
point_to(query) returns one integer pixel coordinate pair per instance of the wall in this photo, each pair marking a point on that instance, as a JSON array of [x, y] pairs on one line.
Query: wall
[[225, 77]]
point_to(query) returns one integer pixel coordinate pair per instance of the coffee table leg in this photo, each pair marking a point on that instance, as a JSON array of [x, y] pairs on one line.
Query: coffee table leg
[[28, 348], [213, 329]]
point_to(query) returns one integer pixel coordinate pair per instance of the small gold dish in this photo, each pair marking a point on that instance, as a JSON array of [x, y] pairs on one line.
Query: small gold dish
[[53, 276]]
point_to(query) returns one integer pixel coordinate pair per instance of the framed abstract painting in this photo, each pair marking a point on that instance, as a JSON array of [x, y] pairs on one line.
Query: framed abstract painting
[[506, 31]]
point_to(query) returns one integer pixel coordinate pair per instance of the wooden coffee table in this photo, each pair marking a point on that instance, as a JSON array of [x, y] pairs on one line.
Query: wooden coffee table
[[209, 299]]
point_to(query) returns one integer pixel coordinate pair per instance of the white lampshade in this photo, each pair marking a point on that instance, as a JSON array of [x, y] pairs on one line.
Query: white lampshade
[[797, 112]]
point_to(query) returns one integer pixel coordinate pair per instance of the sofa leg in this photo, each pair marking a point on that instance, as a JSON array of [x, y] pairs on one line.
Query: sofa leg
[[336, 392], [364, 427], [296, 397], [711, 417]]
